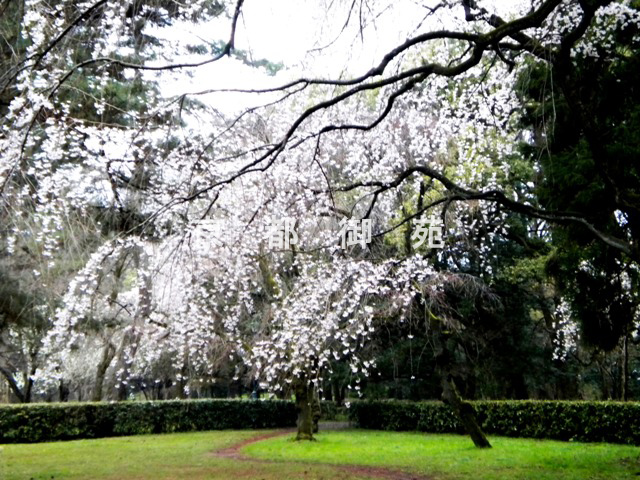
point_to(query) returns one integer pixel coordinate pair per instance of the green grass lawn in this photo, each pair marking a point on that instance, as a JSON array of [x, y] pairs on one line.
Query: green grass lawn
[[454, 456], [171, 456], [189, 456]]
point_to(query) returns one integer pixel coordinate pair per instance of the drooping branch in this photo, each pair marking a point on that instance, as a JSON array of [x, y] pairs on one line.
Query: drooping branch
[[459, 193], [479, 43], [407, 78], [226, 51], [74, 23]]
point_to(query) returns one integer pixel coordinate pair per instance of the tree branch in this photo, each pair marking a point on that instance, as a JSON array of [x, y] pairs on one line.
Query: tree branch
[[497, 196]]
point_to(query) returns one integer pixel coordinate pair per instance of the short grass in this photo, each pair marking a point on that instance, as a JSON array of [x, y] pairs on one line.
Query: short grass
[[162, 457], [189, 455], [455, 457]]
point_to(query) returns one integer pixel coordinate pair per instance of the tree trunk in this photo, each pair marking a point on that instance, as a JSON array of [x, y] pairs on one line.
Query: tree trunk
[[337, 392], [63, 392], [316, 412], [304, 399], [28, 387], [13, 385], [182, 383], [606, 393], [624, 394], [131, 338], [464, 411], [123, 392], [107, 355]]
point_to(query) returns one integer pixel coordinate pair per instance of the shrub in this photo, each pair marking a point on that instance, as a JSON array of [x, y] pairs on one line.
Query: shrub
[[614, 422], [67, 421]]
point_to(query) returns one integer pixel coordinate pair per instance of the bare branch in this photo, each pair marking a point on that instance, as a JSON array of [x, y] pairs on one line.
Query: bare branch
[[226, 51]]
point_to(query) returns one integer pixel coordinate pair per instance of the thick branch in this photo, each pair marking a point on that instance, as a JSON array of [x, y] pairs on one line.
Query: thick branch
[[463, 194], [12, 384], [411, 78]]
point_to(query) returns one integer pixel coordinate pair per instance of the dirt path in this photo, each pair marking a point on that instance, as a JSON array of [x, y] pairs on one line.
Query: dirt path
[[235, 452]]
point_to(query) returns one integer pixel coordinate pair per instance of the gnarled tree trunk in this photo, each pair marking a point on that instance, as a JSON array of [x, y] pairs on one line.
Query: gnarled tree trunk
[[464, 411]]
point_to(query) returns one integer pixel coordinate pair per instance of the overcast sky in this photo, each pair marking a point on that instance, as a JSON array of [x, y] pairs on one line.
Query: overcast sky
[[291, 32]]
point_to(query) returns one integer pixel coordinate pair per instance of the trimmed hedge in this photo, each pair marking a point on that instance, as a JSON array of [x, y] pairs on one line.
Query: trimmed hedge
[[329, 410], [613, 422], [66, 421]]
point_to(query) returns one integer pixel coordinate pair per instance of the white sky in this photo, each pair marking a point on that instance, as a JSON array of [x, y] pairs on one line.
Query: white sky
[[288, 31]]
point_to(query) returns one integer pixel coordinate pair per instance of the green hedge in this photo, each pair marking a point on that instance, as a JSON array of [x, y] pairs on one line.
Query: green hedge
[[329, 410], [614, 422], [66, 421]]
